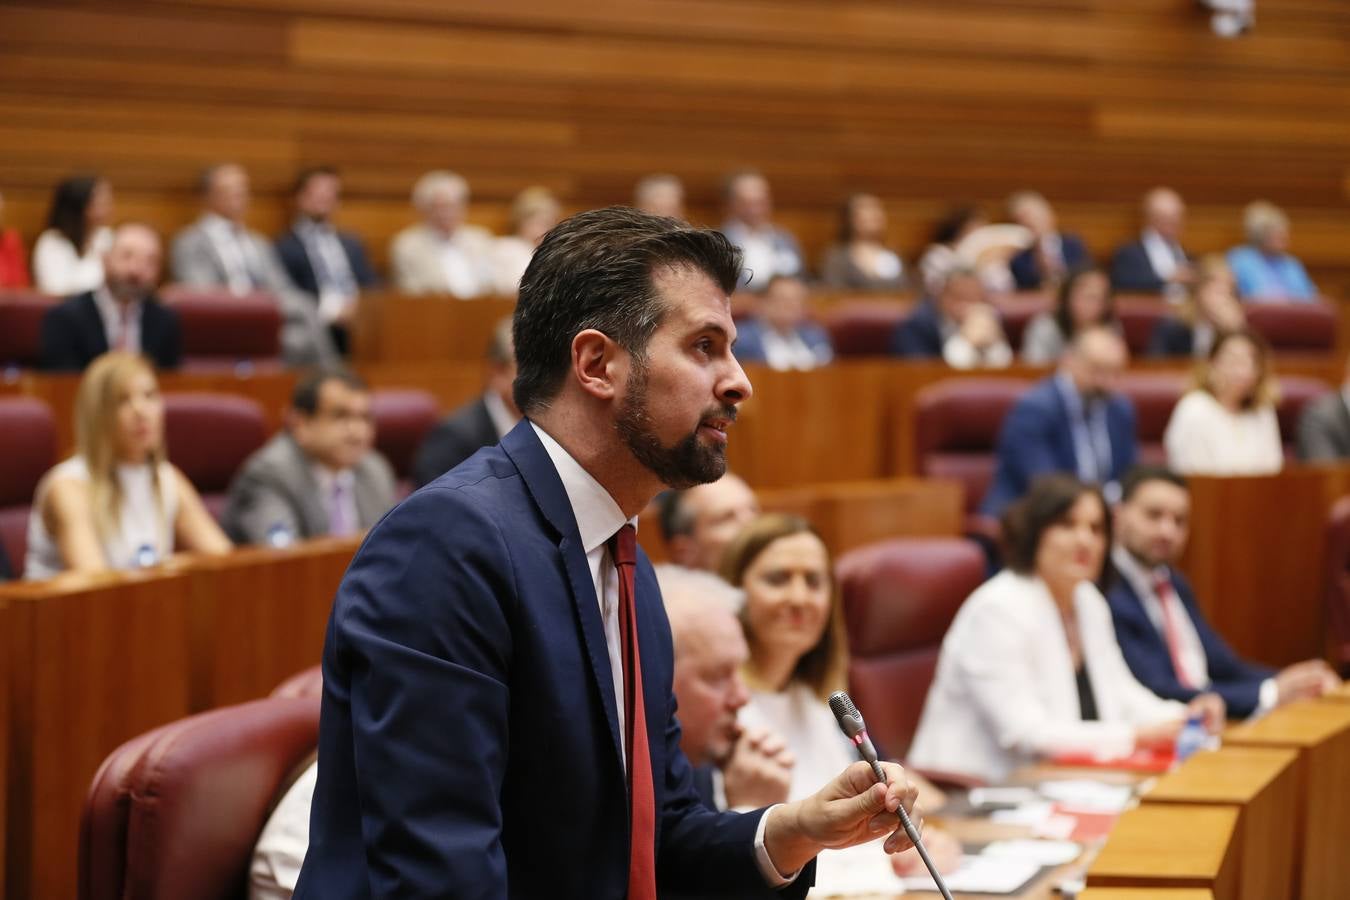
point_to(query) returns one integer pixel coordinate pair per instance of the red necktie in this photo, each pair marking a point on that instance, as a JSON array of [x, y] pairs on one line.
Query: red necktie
[[642, 813], [1162, 586]]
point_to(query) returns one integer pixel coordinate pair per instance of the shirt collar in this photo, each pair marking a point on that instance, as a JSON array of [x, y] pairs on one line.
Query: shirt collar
[[598, 516], [1140, 578], [327, 478], [218, 224]]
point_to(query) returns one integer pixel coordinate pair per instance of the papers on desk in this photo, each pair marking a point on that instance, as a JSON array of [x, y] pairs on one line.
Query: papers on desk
[[1088, 796], [982, 874]]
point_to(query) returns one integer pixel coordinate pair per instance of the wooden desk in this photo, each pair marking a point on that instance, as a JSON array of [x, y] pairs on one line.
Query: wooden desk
[[397, 328], [1171, 845], [1146, 894], [1340, 696], [1320, 733], [1260, 782], [851, 514]]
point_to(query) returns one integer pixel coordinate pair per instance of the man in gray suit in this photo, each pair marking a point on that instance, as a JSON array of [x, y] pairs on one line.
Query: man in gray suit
[[321, 475], [219, 250], [1324, 427]]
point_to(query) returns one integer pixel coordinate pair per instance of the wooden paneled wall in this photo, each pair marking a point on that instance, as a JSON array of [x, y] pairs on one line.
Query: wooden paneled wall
[[923, 102]]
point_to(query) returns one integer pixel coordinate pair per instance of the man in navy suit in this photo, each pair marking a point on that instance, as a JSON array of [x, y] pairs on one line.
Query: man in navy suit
[[1070, 422], [1156, 262], [498, 719], [1054, 254], [781, 335], [124, 314], [1166, 641]]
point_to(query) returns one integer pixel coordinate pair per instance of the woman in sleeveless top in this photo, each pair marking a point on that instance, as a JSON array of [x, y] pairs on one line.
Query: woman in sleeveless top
[[118, 503]]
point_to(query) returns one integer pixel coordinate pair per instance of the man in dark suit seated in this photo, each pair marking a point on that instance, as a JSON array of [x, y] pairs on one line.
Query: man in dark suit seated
[[1156, 262], [498, 647], [477, 424], [1070, 422], [1054, 254], [1324, 425], [124, 314], [1166, 641], [958, 326], [327, 264], [781, 335], [698, 523]]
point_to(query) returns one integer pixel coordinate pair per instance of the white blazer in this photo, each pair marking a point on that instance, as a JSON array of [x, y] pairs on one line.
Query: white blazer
[[1005, 693]]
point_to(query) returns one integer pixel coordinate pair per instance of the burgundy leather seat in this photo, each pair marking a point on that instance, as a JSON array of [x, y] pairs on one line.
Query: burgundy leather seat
[[1154, 395], [221, 330], [864, 327], [1297, 327], [1017, 311], [956, 427], [1139, 315], [28, 450], [1338, 584], [21, 315], [209, 437], [175, 812], [307, 683], [899, 598], [402, 420]]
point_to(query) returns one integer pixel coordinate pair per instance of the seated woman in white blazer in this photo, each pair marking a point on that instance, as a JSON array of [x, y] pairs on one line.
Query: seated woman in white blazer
[[1030, 667]]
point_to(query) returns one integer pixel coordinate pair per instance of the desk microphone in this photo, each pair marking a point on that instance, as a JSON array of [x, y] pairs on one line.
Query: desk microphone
[[851, 723]]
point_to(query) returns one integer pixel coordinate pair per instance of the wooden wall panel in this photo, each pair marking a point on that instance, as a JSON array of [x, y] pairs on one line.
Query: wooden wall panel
[[925, 102]]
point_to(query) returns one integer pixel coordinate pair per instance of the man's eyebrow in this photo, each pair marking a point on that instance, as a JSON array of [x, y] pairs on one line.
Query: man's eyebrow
[[717, 328]]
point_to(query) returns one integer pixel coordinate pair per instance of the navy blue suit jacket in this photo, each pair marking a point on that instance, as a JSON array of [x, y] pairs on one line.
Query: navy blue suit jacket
[[1037, 439], [1026, 267], [291, 250], [469, 744], [1145, 650], [1171, 337], [1131, 270], [72, 335], [919, 334], [750, 341]]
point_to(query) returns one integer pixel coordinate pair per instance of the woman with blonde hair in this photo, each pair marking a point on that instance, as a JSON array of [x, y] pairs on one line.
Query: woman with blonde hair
[[533, 213], [118, 503], [1226, 424], [1210, 309]]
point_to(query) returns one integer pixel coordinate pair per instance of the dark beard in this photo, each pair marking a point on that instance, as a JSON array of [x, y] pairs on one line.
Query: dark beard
[[689, 461]]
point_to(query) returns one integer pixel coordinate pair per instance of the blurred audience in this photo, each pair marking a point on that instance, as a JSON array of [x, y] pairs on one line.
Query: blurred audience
[[794, 625], [442, 254], [327, 264], [940, 256], [321, 475], [1324, 426], [1163, 635], [121, 314], [13, 260], [959, 326], [660, 195], [1156, 262], [1084, 299], [220, 250], [1030, 667], [769, 250], [118, 503], [1211, 308], [860, 259], [68, 255], [534, 211], [1263, 267], [781, 334], [1071, 422], [479, 423], [1226, 423], [698, 522], [1054, 254]]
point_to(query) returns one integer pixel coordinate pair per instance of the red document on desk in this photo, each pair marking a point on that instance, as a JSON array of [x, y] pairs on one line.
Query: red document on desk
[[1142, 760]]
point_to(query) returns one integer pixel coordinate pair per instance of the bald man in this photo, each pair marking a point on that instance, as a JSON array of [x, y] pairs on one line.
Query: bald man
[[700, 521], [1156, 263], [123, 314]]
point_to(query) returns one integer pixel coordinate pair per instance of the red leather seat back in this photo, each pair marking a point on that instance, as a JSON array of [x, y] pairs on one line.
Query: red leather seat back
[[899, 598], [863, 327], [1017, 311], [308, 683], [176, 812], [1139, 315], [222, 329], [1305, 327], [402, 420], [956, 427], [27, 451], [210, 435], [1154, 395], [21, 326]]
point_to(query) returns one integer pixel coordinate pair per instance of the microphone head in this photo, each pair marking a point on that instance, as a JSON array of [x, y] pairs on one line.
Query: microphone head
[[850, 720]]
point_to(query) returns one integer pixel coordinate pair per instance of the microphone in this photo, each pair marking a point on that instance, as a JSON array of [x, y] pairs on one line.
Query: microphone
[[851, 723]]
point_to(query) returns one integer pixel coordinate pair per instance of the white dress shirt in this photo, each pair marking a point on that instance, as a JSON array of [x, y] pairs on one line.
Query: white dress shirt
[[62, 270], [1163, 255], [328, 482], [332, 270], [111, 312], [1191, 652], [236, 252], [785, 353], [1204, 438]]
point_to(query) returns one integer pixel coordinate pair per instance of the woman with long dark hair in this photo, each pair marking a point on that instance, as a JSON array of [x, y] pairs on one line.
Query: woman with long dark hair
[[68, 255]]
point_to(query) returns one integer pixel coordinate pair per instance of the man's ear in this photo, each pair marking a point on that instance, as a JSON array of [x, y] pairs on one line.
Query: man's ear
[[594, 357]]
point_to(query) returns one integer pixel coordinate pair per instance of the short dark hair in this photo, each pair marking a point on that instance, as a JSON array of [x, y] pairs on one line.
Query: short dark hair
[[305, 397], [309, 173], [673, 514], [1046, 503], [1143, 473], [70, 203], [595, 271]]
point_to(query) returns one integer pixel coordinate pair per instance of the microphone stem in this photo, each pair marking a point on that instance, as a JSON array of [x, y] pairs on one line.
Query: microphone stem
[[913, 834]]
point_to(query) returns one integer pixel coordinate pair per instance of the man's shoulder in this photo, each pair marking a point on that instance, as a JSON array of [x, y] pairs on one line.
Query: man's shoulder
[[71, 307], [279, 456]]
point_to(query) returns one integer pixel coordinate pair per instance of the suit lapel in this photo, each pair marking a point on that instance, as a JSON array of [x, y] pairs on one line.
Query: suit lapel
[[546, 489], [313, 509], [91, 323]]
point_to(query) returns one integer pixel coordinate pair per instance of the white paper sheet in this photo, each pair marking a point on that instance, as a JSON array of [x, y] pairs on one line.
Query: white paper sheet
[[981, 874]]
